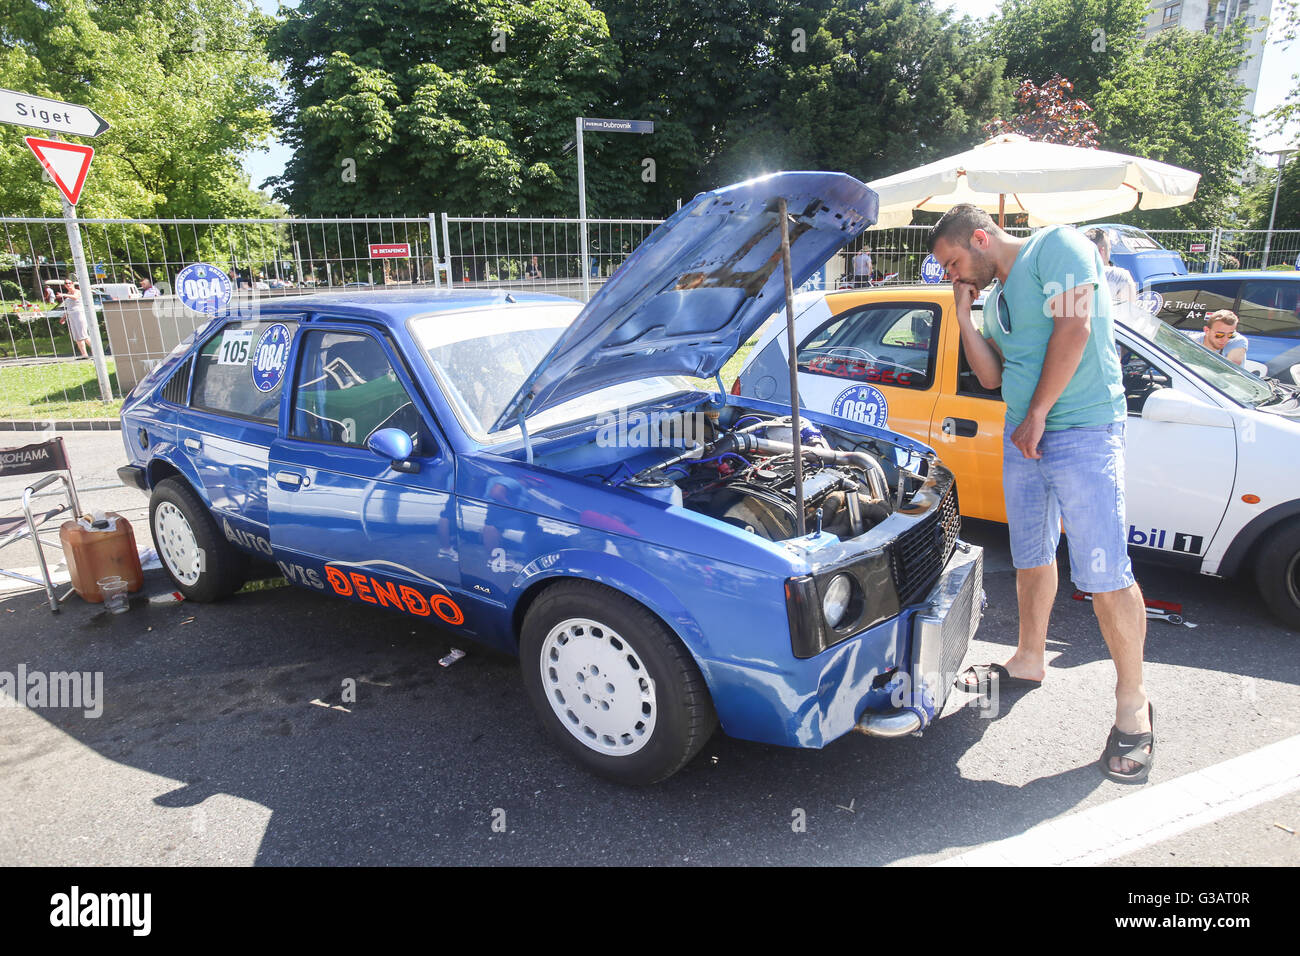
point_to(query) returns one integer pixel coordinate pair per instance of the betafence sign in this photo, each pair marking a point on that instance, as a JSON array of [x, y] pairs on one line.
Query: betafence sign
[[203, 288], [1196, 247], [390, 250], [23, 109]]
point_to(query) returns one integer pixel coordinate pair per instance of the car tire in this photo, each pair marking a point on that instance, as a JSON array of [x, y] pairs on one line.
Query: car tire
[[1277, 572], [613, 686], [202, 564]]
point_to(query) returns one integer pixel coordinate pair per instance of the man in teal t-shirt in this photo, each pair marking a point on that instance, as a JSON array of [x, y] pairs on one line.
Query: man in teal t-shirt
[[1047, 340]]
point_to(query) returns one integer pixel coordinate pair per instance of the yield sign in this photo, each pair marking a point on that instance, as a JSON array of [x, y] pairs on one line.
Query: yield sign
[[67, 163]]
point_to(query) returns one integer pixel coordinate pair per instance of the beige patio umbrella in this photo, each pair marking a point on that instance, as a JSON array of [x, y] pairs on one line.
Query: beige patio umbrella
[[1011, 174]]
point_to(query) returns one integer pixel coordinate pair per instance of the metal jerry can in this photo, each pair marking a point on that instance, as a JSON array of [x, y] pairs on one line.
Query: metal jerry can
[[100, 547]]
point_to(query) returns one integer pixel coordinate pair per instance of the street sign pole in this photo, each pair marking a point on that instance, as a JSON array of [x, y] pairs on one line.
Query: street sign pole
[[582, 217], [605, 126], [23, 109], [87, 298]]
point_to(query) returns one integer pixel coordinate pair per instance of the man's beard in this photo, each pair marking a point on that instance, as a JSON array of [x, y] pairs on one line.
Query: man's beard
[[983, 267]]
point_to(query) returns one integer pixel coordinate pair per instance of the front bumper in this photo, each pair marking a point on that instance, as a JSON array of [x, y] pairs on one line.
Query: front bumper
[[941, 631], [811, 702]]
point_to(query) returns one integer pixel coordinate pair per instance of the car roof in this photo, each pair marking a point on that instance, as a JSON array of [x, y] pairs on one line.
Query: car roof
[[1227, 276], [395, 306]]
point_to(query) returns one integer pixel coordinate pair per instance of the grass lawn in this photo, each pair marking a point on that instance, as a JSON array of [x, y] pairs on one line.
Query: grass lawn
[[59, 390], [40, 338]]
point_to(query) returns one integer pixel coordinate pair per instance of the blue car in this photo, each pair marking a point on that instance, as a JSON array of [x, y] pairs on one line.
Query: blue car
[[1267, 305], [543, 478], [1135, 250]]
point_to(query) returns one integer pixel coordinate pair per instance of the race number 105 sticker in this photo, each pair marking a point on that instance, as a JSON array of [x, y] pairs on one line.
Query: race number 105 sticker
[[271, 357], [862, 403]]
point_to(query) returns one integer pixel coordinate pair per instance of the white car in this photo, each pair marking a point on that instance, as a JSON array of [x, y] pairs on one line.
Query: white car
[[1212, 450]]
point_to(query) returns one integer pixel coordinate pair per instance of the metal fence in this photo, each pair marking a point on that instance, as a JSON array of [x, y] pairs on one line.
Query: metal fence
[[43, 378], [543, 255]]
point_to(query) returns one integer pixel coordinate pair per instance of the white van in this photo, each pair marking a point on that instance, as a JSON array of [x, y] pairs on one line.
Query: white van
[[117, 290]]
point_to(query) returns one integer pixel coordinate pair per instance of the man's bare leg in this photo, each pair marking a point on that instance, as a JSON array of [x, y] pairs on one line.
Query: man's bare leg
[[1035, 594], [1123, 619]]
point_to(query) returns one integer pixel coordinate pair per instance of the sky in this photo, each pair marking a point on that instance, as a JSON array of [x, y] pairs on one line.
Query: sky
[[1274, 84]]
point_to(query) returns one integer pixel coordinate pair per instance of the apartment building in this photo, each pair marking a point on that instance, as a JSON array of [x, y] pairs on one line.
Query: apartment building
[[1214, 15]]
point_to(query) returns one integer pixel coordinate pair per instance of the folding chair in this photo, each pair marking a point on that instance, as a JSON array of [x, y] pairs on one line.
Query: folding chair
[[42, 458]]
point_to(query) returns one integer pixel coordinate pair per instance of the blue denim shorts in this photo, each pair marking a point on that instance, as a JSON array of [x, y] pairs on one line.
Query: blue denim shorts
[[1078, 481]]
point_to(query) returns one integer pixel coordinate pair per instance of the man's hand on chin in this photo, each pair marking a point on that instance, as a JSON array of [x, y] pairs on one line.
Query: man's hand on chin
[[1027, 435], [965, 293]]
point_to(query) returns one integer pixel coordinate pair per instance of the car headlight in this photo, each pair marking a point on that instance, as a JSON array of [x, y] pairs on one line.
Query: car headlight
[[825, 609], [836, 598]]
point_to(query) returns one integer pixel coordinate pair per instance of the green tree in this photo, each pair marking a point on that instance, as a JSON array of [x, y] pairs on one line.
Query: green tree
[[1178, 101], [402, 106], [703, 73], [881, 86], [1086, 40], [186, 85], [1257, 202]]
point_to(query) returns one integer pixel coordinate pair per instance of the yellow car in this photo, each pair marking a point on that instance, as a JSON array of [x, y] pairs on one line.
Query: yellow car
[[891, 356], [1209, 482]]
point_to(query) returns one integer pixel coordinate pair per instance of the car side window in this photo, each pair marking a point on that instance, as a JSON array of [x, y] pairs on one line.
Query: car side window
[[241, 370], [893, 344], [347, 390], [1141, 378], [968, 382], [1185, 306], [1270, 307]]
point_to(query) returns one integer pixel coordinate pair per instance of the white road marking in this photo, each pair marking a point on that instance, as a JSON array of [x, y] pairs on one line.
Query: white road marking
[[1152, 814]]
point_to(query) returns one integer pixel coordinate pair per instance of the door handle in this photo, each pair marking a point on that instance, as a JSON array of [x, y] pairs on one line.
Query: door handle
[[192, 444], [960, 427], [292, 479]]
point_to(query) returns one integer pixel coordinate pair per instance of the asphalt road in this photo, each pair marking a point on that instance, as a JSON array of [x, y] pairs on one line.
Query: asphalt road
[[224, 739]]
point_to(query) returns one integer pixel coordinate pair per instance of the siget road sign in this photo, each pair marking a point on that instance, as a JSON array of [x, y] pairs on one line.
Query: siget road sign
[[67, 163], [22, 109]]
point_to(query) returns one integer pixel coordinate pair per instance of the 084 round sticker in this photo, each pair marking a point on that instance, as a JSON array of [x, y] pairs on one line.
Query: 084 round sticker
[[271, 357], [203, 288], [862, 403]]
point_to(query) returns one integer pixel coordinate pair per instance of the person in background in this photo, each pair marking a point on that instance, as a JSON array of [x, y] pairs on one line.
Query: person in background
[[74, 312], [147, 288], [862, 267], [533, 270], [1220, 335], [1123, 290]]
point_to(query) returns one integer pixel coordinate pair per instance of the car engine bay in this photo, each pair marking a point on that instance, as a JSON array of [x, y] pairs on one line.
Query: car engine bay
[[744, 475]]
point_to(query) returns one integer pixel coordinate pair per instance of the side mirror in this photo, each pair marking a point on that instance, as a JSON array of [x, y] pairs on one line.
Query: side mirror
[[395, 445], [1169, 405]]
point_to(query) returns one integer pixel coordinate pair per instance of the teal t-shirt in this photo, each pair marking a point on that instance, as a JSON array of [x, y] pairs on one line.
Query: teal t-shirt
[[1053, 261]]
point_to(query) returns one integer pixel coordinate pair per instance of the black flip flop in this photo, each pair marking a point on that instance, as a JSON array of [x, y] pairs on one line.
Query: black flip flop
[[1129, 746], [984, 673]]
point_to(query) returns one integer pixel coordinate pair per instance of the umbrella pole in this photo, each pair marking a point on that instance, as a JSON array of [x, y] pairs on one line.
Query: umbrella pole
[[795, 424], [1002, 210]]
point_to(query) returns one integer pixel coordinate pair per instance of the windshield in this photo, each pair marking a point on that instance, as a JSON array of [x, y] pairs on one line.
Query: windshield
[[1229, 378], [1136, 240], [482, 359]]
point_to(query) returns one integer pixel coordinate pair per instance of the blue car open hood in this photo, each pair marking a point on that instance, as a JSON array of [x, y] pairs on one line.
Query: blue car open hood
[[699, 286]]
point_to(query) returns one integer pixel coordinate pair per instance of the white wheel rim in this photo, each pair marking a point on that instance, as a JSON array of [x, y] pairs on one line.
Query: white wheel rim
[[176, 543], [598, 687]]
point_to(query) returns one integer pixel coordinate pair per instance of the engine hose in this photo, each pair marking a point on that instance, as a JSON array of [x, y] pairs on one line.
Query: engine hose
[[875, 473]]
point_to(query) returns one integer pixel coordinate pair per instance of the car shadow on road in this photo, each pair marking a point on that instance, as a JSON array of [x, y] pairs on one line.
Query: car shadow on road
[[339, 720]]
